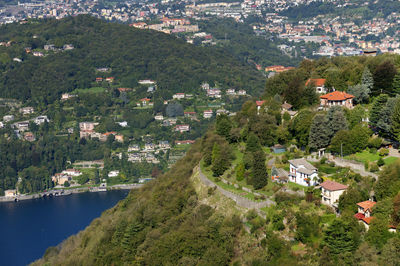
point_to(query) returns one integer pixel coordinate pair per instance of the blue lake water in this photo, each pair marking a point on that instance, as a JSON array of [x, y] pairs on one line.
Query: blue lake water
[[28, 228]]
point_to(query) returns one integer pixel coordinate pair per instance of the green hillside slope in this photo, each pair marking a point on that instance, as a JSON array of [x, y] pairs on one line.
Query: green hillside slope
[[131, 54]]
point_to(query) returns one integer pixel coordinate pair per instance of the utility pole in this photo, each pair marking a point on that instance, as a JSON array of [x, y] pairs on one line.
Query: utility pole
[[341, 149]]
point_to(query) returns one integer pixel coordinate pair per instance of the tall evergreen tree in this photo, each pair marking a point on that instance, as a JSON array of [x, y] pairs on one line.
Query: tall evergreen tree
[[395, 119], [223, 126], [340, 237], [396, 84], [367, 79], [336, 121], [360, 92], [385, 117], [259, 170], [318, 137], [383, 78], [377, 106], [252, 143]]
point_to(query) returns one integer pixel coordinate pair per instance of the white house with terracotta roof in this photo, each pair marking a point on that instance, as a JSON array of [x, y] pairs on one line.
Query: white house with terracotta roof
[[259, 104], [365, 212], [319, 85], [331, 191], [337, 98], [178, 96], [207, 114], [303, 173]]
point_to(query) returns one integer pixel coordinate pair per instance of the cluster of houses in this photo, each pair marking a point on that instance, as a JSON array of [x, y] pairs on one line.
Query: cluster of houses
[[48, 47], [86, 130], [21, 128], [217, 93], [147, 153], [303, 173]]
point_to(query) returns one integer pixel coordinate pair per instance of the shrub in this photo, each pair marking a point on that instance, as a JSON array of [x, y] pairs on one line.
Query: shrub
[[374, 167], [323, 160], [251, 214], [383, 152], [380, 162], [374, 142], [366, 165]]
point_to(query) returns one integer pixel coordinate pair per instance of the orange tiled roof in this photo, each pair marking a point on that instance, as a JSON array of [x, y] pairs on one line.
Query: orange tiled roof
[[259, 103], [367, 220], [366, 205], [337, 96], [316, 82]]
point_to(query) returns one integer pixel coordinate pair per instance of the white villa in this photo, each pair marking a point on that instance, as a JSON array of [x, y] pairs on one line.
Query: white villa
[[303, 173]]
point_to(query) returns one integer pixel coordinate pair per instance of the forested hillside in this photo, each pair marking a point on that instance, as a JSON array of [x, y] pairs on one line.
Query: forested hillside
[[131, 54], [163, 223], [239, 40]]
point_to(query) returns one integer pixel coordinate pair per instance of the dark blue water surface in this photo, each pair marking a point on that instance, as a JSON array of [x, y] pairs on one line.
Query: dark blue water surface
[[28, 228]]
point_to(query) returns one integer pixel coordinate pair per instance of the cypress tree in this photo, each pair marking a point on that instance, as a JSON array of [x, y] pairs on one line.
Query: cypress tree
[[252, 143], [376, 109], [396, 84], [223, 126], [259, 171], [395, 128]]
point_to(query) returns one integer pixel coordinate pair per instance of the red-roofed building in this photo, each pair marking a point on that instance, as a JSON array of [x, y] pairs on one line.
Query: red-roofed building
[[339, 98], [365, 212], [319, 85], [190, 114], [277, 69], [259, 104], [124, 89], [331, 191], [144, 102]]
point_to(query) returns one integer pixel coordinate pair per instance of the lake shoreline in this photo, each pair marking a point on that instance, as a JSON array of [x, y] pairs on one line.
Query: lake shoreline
[[67, 192]]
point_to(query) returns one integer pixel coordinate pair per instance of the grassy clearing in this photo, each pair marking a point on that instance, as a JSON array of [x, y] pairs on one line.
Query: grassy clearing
[[363, 156], [390, 160]]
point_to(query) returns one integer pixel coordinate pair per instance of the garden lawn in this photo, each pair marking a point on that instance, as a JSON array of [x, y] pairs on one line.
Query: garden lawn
[[390, 160], [364, 156]]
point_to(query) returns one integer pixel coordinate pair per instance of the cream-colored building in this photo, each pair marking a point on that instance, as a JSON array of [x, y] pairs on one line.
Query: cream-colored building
[[331, 191], [10, 193]]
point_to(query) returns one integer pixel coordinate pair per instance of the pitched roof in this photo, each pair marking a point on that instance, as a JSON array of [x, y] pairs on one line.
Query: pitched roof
[[316, 82], [333, 186], [286, 105], [367, 205], [367, 220], [337, 96], [301, 161], [359, 216]]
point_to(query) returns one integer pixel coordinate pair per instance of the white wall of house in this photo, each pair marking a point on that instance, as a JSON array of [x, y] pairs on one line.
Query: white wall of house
[[330, 197], [299, 177]]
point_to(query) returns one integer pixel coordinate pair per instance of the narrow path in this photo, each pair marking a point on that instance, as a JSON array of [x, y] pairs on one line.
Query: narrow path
[[356, 167], [239, 200]]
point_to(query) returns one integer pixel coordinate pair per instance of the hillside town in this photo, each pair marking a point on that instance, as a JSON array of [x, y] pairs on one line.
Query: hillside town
[[331, 35]]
